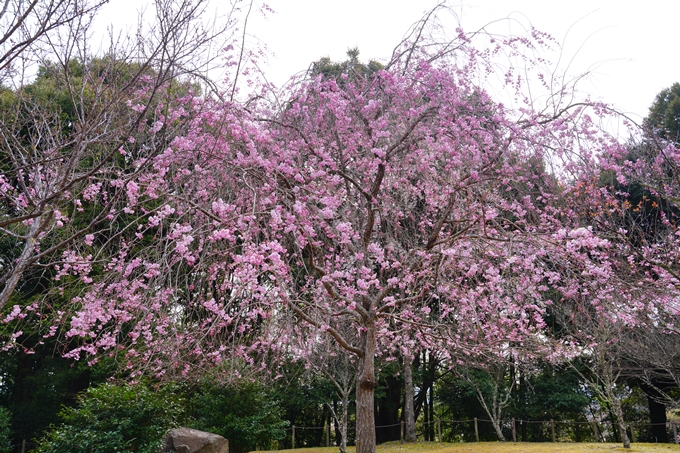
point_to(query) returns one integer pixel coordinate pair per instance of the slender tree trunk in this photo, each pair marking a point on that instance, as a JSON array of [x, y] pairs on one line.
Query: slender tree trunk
[[341, 422], [426, 417], [523, 404], [409, 397], [425, 392], [497, 408], [343, 427], [618, 412], [494, 412], [366, 383], [431, 406], [39, 223], [338, 433]]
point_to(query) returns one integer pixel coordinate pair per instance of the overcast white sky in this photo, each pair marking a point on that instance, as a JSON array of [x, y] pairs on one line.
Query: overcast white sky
[[631, 47]]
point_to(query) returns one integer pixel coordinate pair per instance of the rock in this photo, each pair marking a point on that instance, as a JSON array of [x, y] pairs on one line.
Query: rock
[[187, 440]]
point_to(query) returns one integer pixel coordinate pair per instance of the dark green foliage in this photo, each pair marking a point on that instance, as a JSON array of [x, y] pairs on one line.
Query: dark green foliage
[[664, 114], [554, 393], [305, 399], [350, 69], [557, 394], [247, 415], [116, 418], [458, 401], [634, 403], [36, 386], [5, 422], [388, 401], [649, 216], [551, 393]]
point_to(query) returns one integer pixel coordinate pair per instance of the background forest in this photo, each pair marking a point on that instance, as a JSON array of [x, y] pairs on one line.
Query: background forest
[[376, 251]]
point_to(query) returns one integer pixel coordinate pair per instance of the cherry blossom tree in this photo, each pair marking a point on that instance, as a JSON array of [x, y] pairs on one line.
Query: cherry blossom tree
[[617, 279], [25, 27], [645, 183], [598, 336], [487, 349], [379, 210], [68, 135]]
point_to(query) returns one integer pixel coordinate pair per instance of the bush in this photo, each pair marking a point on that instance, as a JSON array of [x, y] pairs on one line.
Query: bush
[[247, 415], [112, 418], [5, 422]]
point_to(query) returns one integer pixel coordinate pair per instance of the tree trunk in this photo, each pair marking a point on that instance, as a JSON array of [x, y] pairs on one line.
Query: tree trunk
[[618, 412], [409, 397], [338, 434], [320, 433], [431, 408], [522, 394], [497, 427], [22, 262], [343, 424], [340, 421], [366, 383], [343, 427], [657, 414], [426, 415]]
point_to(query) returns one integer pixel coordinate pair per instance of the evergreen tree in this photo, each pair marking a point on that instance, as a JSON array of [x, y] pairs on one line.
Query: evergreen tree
[[664, 114]]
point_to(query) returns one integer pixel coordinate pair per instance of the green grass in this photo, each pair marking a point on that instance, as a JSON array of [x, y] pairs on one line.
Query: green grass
[[506, 447]]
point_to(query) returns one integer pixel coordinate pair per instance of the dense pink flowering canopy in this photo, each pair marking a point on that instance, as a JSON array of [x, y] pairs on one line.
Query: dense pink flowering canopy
[[406, 206], [407, 200], [394, 210]]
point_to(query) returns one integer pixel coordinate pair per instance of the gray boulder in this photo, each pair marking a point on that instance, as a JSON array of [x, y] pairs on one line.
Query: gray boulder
[[187, 440]]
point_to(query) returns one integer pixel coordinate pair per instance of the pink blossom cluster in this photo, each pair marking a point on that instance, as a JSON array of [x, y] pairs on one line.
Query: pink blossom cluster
[[401, 208]]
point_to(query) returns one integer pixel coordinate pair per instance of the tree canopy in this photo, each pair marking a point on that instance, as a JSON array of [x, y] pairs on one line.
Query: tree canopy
[[664, 113], [364, 213]]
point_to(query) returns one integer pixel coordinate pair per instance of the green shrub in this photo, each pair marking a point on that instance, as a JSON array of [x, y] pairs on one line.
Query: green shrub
[[247, 415], [112, 418], [5, 422]]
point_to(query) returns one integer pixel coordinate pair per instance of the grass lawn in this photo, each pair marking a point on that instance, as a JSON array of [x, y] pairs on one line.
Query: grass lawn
[[508, 447]]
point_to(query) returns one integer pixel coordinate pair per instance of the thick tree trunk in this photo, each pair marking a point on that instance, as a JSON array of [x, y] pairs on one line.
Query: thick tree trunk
[[409, 397], [657, 417], [498, 428], [366, 383], [657, 414]]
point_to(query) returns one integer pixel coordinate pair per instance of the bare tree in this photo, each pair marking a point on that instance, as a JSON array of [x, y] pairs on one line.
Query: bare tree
[[329, 360], [27, 25], [652, 354], [103, 122], [598, 336], [651, 360], [492, 375]]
